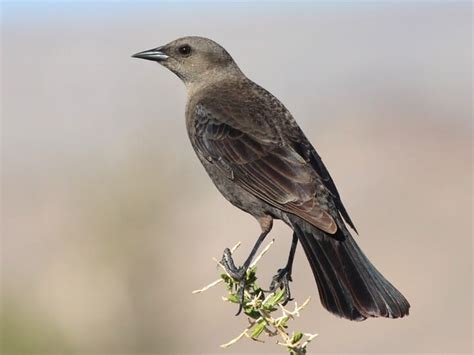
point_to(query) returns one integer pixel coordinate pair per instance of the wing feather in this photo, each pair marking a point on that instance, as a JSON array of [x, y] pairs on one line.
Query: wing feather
[[268, 169]]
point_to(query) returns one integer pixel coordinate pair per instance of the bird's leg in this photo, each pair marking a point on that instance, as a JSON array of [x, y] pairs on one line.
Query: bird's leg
[[283, 277], [240, 273]]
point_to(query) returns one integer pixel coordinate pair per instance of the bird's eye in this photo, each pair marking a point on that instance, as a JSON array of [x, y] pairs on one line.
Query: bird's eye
[[185, 50]]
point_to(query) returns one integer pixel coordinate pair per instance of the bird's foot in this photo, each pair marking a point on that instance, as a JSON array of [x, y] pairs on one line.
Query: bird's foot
[[282, 280], [238, 274]]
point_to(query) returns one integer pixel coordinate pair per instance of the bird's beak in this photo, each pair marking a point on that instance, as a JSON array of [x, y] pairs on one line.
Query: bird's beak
[[155, 55]]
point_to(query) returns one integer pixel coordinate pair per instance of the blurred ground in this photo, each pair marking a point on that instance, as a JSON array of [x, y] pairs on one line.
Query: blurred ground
[[109, 221]]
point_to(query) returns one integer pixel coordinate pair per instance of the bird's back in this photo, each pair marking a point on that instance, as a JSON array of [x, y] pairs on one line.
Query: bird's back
[[252, 138], [245, 105]]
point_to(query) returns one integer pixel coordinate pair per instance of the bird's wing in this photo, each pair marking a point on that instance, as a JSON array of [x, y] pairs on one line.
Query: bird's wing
[[261, 164], [301, 144]]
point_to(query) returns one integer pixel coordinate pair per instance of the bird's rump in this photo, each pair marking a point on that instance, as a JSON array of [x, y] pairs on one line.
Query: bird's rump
[[269, 169]]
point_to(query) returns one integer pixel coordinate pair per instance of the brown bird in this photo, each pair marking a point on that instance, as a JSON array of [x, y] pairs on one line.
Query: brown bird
[[261, 161]]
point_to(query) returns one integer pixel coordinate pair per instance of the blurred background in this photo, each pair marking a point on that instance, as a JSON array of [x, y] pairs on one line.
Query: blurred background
[[109, 221]]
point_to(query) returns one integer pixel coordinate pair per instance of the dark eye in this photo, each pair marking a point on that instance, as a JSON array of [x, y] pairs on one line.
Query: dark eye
[[184, 49]]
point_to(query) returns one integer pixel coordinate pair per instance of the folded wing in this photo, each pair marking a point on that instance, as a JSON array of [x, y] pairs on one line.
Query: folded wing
[[267, 168]]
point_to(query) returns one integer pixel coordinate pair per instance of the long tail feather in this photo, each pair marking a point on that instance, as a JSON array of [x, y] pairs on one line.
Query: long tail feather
[[349, 285]]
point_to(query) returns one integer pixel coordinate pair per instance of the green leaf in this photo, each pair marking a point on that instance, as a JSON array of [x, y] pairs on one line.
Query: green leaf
[[257, 290], [269, 308], [251, 277], [233, 298], [277, 297], [229, 283], [296, 337], [282, 322], [252, 313], [259, 328]]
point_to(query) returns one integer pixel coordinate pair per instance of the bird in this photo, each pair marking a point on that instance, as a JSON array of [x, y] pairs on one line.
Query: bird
[[261, 161]]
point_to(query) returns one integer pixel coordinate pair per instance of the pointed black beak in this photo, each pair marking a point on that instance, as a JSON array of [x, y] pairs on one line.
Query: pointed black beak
[[155, 55]]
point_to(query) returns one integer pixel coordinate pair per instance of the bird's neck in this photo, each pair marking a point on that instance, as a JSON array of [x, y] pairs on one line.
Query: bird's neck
[[213, 77]]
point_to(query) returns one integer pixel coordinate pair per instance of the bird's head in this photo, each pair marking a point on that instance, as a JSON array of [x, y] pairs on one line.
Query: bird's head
[[192, 59]]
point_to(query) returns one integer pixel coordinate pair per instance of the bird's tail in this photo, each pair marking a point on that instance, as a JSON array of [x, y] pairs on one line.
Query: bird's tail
[[349, 285]]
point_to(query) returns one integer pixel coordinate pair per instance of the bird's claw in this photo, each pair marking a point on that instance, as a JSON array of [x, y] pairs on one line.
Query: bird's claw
[[241, 294], [282, 280], [237, 273]]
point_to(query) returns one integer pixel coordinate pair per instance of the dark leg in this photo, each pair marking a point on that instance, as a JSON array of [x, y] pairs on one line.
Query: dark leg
[[240, 273], [283, 277]]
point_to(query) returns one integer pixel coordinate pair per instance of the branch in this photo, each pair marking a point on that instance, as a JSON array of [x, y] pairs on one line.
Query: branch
[[260, 306]]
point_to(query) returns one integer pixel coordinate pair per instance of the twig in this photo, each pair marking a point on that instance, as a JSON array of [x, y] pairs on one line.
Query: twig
[[259, 307], [237, 338], [205, 288], [216, 282], [262, 253]]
